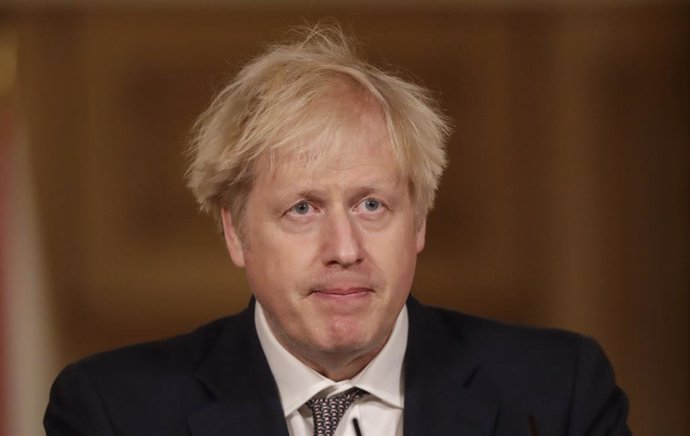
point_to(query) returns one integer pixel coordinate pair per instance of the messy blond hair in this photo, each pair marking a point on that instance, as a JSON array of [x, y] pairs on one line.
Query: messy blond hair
[[272, 105]]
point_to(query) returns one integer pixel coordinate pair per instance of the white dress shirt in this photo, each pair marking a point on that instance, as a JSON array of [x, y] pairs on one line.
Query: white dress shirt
[[379, 413]]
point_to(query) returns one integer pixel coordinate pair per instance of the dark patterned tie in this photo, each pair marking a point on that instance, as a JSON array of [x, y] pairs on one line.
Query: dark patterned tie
[[328, 411]]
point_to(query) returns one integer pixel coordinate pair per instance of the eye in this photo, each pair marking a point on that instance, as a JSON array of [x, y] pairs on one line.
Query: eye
[[301, 208], [371, 204]]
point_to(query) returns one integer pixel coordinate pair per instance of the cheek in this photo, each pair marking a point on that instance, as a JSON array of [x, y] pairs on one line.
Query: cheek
[[276, 267], [396, 255]]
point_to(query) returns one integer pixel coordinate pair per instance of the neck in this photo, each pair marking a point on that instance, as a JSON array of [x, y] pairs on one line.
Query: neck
[[337, 367]]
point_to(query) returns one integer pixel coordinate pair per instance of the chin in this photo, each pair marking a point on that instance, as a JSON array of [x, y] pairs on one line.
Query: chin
[[348, 342]]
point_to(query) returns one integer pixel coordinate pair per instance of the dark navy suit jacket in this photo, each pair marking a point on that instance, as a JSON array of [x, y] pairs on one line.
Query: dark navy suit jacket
[[463, 376]]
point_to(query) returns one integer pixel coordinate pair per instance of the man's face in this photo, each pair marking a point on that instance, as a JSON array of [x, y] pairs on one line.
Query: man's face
[[330, 252]]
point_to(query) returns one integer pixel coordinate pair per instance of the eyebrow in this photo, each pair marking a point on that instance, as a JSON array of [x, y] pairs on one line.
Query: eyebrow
[[350, 193]]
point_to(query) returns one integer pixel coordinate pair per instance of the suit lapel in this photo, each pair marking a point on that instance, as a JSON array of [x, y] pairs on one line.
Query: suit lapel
[[446, 392], [237, 374]]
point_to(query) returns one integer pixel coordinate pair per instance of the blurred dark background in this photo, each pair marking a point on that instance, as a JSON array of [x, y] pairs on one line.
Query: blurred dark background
[[566, 202]]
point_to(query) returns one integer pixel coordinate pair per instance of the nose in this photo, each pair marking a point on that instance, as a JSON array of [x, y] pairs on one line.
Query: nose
[[341, 241]]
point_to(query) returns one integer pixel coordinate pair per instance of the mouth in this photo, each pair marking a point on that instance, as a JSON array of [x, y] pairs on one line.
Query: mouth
[[342, 292]]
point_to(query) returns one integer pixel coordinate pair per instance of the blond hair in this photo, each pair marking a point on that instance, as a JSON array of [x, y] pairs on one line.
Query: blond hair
[[271, 106]]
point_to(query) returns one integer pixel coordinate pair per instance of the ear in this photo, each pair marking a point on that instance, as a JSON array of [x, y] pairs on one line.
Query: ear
[[232, 239], [421, 236]]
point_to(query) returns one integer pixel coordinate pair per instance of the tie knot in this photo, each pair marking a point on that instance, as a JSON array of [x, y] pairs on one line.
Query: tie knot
[[329, 411]]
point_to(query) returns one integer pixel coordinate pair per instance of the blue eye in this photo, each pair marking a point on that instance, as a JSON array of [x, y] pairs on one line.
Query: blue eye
[[301, 208], [372, 204]]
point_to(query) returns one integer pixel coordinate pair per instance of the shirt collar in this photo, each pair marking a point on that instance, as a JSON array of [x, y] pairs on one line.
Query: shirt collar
[[297, 382]]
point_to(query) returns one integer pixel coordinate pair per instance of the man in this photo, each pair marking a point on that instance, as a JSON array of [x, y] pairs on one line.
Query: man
[[321, 170]]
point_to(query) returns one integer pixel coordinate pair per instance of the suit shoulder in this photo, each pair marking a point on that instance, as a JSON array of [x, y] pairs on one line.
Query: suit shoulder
[[485, 335], [115, 391], [177, 354], [545, 371]]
